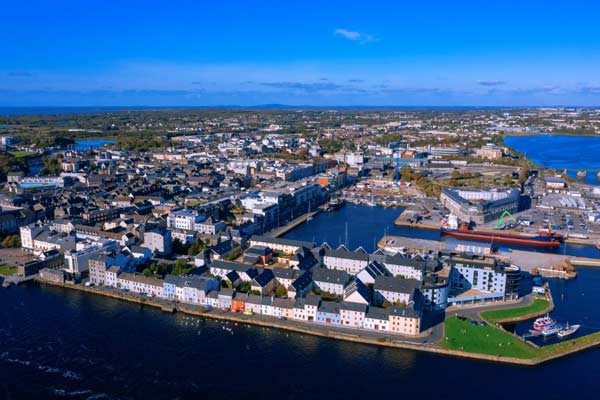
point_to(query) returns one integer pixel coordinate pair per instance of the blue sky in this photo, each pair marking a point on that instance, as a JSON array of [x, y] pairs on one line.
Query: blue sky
[[202, 53]]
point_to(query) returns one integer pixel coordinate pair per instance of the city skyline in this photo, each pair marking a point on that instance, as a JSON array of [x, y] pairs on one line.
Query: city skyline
[[334, 54]]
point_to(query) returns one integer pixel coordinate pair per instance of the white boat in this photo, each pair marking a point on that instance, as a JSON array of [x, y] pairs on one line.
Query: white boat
[[551, 329], [568, 330]]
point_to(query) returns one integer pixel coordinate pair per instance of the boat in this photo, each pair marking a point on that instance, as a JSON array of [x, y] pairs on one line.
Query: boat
[[552, 329], [542, 239], [568, 330], [582, 173], [335, 204], [540, 323]]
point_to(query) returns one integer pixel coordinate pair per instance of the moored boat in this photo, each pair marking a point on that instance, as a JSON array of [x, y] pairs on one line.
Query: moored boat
[[552, 329], [335, 204], [463, 231], [568, 330], [540, 323]]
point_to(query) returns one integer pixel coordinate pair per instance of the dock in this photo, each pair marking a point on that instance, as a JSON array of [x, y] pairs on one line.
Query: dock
[[282, 230], [529, 261], [17, 280]]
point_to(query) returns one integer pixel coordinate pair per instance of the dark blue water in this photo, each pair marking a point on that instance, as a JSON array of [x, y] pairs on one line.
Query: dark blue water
[[60, 344], [572, 153], [575, 301], [56, 343], [367, 225]]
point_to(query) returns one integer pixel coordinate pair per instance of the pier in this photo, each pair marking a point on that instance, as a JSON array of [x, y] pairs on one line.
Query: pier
[[529, 261], [282, 230], [17, 280]]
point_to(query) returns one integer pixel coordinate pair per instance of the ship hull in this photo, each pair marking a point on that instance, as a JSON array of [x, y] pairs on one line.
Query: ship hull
[[536, 241]]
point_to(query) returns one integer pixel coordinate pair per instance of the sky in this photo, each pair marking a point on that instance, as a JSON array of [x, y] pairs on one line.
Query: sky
[[319, 53]]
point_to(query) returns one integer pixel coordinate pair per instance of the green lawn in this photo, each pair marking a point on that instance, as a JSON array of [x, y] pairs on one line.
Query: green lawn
[[461, 335], [569, 344], [20, 154], [539, 305], [6, 270]]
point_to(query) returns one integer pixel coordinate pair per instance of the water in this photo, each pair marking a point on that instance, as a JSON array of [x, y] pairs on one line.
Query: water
[[57, 343], [367, 225], [575, 301], [572, 153], [91, 144]]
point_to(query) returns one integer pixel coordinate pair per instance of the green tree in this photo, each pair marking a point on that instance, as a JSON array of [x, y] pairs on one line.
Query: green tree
[[147, 272], [52, 166], [13, 241], [181, 267], [244, 287], [281, 291]]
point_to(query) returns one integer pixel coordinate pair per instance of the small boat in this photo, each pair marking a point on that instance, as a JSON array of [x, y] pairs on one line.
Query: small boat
[[581, 174], [568, 330], [551, 329], [540, 323]]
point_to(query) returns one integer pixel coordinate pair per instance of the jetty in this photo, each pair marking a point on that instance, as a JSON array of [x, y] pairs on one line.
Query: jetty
[[282, 230], [17, 280]]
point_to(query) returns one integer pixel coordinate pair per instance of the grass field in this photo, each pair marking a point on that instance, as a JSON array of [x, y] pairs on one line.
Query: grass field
[[539, 305], [463, 336], [6, 270], [20, 154], [569, 345]]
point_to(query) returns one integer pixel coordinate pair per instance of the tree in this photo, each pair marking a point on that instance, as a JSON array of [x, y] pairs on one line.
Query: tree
[[244, 287], [226, 284], [196, 248], [12, 241], [179, 248], [147, 272], [181, 267], [52, 166], [281, 291]]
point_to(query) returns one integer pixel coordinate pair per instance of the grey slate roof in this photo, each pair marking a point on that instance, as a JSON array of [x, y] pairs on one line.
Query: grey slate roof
[[391, 284]]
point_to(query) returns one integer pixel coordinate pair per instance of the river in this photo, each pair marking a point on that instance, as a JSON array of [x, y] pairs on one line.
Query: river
[[62, 344]]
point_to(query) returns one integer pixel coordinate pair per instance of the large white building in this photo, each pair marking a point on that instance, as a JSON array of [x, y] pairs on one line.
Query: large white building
[[184, 219]]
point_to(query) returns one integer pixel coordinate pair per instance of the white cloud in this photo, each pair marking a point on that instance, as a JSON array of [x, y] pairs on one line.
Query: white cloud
[[354, 36]]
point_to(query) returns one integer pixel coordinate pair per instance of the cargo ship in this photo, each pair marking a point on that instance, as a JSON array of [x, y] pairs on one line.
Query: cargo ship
[[542, 239]]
